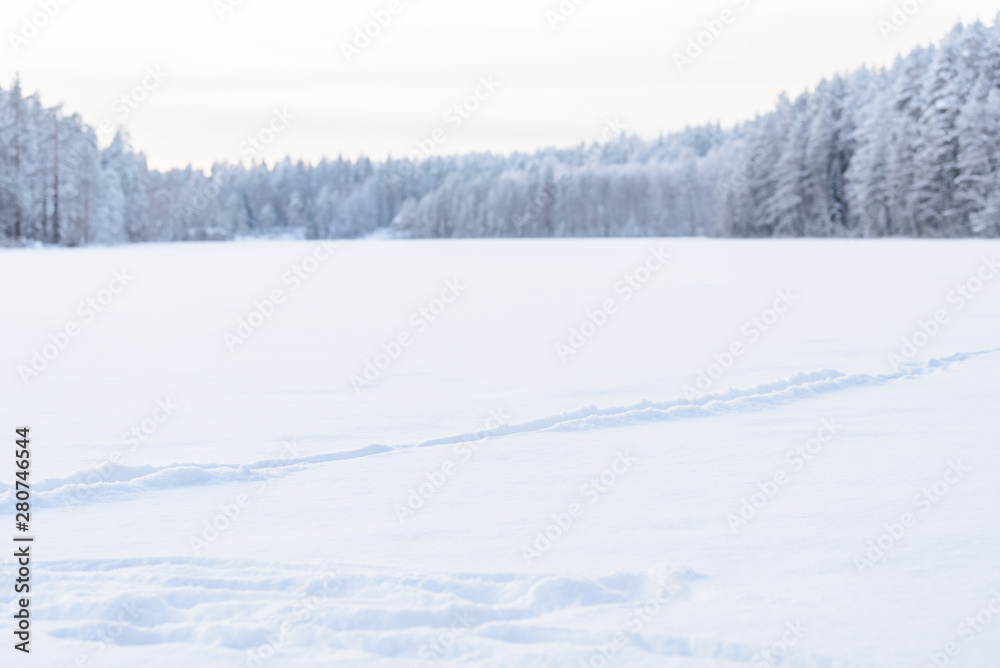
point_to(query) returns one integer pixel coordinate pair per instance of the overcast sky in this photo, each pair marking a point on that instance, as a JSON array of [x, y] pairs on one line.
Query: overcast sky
[[224, 72]]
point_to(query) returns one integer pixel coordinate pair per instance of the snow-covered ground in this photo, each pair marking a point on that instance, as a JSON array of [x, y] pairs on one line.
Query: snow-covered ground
[[407, 457]]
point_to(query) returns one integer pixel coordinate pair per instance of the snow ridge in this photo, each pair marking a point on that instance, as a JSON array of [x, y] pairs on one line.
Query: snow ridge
[[352, 615], [363, 613], [797, 387], [125, 482]]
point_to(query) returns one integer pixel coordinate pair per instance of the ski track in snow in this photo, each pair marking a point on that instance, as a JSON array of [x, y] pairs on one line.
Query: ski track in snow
[[116, 483], [244, 605]]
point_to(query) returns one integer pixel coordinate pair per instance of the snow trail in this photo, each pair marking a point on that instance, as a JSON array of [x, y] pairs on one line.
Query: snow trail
[[242, 605], [118, 483]]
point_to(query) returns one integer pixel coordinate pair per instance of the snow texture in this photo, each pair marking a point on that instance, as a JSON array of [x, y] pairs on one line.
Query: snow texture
[[485, 502]]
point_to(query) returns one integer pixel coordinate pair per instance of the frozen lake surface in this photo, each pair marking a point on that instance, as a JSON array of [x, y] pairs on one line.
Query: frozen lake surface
[[677, 453]]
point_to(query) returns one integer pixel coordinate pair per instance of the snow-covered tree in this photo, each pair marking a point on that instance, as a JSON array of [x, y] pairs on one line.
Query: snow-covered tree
[[910, 150]]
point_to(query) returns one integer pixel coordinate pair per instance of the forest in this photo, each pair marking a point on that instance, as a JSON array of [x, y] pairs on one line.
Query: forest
[[910, 150]]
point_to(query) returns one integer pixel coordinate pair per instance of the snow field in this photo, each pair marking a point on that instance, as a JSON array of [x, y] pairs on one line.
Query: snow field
[[485, 502]]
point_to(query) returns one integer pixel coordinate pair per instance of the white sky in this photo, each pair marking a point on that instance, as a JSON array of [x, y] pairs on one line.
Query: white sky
[[611, 58]]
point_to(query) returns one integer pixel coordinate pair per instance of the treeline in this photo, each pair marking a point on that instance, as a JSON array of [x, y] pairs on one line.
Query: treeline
[[911, 150]]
